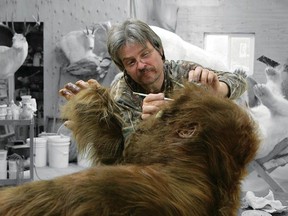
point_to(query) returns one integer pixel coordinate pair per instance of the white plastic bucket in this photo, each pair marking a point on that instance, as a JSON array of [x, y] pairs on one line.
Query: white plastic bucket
[[58, 151], [3, 169], [40, 151], [46, 135], [3, 154], [12, 174], [12, 164], [3, 164], [3, 111]]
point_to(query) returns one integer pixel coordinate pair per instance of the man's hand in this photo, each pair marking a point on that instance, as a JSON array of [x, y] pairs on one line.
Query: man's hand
[[209, 79], [71, 89], [152, 104]]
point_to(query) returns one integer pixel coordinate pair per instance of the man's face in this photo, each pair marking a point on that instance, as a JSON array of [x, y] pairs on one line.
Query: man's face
[[143, 64]]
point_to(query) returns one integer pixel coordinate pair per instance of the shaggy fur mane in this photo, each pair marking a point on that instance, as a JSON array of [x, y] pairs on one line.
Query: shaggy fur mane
[[97, 124], [188, 159]]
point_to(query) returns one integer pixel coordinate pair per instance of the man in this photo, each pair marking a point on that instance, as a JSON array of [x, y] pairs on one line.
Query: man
[[137, 51]]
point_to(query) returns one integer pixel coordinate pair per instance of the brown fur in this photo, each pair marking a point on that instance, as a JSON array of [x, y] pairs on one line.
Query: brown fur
[[189, 160], [97, 125]]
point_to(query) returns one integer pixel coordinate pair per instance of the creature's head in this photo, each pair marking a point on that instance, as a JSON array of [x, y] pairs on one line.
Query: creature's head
[[198, 124]]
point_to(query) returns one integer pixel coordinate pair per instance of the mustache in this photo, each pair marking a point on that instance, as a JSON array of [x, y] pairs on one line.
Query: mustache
[[147, 69]]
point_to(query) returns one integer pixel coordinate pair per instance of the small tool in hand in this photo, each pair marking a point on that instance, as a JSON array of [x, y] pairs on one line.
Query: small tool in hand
[[144, 95]]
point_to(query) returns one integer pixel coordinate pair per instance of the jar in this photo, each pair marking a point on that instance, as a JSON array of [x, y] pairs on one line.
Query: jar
[[27, 112], [9, 115], [3, 111]]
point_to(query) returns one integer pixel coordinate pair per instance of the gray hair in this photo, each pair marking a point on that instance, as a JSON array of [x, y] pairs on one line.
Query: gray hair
[[131, 31]]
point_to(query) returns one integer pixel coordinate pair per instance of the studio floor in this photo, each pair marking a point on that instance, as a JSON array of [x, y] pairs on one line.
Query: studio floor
[[257, 185], [44, 173]]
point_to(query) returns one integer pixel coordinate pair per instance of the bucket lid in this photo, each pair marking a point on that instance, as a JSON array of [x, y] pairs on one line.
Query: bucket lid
[[44, 134], [37, 140], [20, 146], [3, 152], [58, 139]]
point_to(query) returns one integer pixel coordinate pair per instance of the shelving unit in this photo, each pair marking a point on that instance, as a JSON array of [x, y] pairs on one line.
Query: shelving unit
[[3, 91], [30, 124], [33, 85], [29, 78]]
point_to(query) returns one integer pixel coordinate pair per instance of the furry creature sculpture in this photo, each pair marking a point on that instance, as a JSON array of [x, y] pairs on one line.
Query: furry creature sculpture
[[176, 48], [272, 112], [187, 160]]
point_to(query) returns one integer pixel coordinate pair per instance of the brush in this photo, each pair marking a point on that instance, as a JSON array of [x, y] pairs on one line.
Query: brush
[[144, 95]]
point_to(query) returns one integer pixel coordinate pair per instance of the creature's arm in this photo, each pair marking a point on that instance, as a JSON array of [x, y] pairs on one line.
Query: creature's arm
[[96, 124]]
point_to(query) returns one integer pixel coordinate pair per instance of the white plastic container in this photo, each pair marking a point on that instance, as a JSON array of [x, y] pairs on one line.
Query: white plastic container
[[12, 174], [58, 151], [12, 164], [3, 111], [40, 151], [26, 98], [3, 164], [46, 135], [3, 154], [3, 169]]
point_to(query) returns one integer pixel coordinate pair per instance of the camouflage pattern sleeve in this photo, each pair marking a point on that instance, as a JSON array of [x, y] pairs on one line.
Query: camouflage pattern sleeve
[[236, 83], [129, 104]]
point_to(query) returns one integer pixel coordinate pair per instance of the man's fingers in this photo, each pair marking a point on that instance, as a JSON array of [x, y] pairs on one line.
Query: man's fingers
[[153, 97], [84, 85], [153, 100], [145, 116], [93, 81], [195, 75], [152, 104], [211, 77], [65, 93], [81, 84], [204, 76], [150, 109], [157, 103], [72, 87]]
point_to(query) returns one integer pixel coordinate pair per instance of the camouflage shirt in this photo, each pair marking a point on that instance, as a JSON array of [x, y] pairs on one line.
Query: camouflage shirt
[[176, 72]]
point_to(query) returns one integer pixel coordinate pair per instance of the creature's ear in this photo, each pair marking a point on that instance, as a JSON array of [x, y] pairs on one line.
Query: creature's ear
[[188, 132]]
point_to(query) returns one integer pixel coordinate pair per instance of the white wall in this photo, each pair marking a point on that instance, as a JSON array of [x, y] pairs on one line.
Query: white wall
[[61, 17], [267, 19]]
